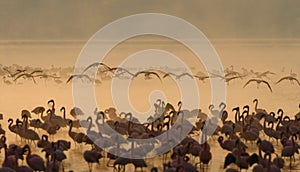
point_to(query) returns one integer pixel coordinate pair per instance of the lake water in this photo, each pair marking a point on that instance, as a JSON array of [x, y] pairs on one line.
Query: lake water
[[278, 56]]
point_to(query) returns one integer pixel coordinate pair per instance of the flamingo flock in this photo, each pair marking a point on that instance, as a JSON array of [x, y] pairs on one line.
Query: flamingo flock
[[15, 74], [255, 139]]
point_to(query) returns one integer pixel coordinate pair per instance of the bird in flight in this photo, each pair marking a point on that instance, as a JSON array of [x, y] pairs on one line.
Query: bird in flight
[[12, 75], [118, 71], [291, 78], [25, 75], [43, 75], [258, 81], [147, 74], [178, 76], [80, 76], [262, 74], [202, 78], [97, 64], [226, 79], [28, 75]]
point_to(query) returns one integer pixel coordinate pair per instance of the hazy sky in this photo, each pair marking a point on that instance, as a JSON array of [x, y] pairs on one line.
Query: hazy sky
[[77, 19]]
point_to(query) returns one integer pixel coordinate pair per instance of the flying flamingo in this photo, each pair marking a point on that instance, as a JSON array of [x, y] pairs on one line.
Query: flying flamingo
[[291, 78], [258, 81]]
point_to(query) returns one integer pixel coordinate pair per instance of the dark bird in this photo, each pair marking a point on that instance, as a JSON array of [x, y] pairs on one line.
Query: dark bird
[[26, 75], [12, 75], [262, 74], [91, 157], [43, 75], [97, 64], [147, 74], [76, 111], [258, 81], [202, 78], [226, 78], [33, 160], [291, 78], [178, 76], [118, 71], [80, 76]]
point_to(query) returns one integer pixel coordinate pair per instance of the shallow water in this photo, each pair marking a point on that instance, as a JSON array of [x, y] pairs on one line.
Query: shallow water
[[275, 57], [30, 96]]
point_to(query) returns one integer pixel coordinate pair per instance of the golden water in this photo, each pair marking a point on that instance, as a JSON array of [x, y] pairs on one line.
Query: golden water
[[278, 57]]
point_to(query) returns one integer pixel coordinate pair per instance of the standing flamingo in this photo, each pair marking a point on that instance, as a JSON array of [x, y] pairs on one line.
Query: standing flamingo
[[34, 161]]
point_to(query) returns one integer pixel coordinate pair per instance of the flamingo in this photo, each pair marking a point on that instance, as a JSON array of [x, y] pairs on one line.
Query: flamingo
[[77, 137], [178, 76], [259, 112], [291, 78], [205, 154], [147, 74], [289, 151], [258, 81], [38, 110], [28, 133], [10, 161], [80, 76], [265, 146], [34, 161]]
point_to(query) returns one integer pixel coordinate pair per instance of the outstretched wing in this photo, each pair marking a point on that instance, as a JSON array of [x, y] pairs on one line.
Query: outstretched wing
[[87, 77], [154, 73], [71, 77], [201, 77], [23, 74], [231, 78], [140, 72], [296, 80], [185, 74], [281, 79], [251, 80], [95, 65], [169, 73], [36, 71], [10, 74], [123, 70], [267, 85]]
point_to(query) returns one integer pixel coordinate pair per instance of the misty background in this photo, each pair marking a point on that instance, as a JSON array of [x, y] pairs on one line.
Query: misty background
[[218, 19], [244, 33]]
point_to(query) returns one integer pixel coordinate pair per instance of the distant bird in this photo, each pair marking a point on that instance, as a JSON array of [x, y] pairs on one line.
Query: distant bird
[[178, 76], [258, 81], [12, 75], [43, 75], [291, 78], [200, 77], [228, 79], [293, 74], [36, 71], [147, 74], [225, 78], [231, 72], [97, 64], [26, 75], [8, 82], [80, 76], [118, 71], [262, 74]]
